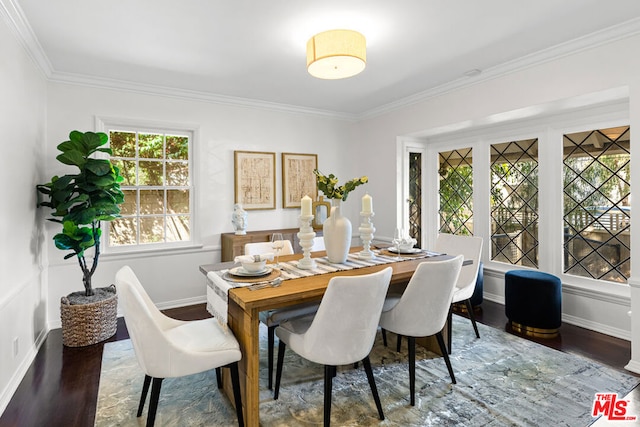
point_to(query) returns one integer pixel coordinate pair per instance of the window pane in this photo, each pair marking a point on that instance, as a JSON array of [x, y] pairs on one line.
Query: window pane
[[130, 204], [456, 192], [415, 197], [123, 231], [514, 202], [127, 170], [597, 212], [177, 201], [150, 173], [123, 144], [150, 146], [178, 173], [178, 228], [151, 202], [177, 147], [151, 229]]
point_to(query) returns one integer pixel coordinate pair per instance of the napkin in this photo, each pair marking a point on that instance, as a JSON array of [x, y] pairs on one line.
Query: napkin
[[254, 258]]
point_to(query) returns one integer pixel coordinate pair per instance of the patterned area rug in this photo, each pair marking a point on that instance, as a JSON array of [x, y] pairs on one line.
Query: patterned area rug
[[502, 380]]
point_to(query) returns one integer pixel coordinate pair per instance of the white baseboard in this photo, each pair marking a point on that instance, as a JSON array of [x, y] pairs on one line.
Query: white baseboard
[[182, 302], [633, 366], [19, 374]]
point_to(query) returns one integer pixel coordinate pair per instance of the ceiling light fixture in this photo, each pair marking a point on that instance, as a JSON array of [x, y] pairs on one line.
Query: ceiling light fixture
[[336, 54]]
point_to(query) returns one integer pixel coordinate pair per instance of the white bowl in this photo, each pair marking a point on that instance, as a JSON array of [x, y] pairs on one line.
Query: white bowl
[[254, 267], [406, 245]]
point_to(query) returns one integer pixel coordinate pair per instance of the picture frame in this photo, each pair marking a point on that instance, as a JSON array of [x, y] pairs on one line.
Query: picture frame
[[255, 179], [298, 179]]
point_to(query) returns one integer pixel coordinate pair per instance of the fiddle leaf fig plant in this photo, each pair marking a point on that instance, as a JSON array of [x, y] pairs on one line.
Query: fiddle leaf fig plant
[[82, 200]]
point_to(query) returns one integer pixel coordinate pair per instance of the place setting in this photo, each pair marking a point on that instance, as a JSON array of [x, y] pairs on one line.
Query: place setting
[[403, 247], [254, 272]]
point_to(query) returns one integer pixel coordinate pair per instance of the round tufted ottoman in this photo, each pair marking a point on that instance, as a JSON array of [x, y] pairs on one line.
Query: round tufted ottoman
[[533, 302]]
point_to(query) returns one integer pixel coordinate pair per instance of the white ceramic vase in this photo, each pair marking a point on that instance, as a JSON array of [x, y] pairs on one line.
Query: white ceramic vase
[[336, 232]]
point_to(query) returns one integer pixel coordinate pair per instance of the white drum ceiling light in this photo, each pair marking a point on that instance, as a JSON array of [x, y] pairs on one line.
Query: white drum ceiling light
[[336, 54]]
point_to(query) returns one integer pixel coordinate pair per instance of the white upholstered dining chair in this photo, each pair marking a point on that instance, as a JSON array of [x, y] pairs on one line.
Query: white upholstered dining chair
[[471, 248], [169, 348], [422, 309], [272, 318], [342, 332]]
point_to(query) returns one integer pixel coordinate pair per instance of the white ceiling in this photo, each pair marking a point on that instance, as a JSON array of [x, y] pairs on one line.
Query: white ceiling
[[255, 50]]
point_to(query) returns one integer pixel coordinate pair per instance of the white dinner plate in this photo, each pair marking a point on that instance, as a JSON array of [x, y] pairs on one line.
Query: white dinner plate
[[408, 251], [240, 271]]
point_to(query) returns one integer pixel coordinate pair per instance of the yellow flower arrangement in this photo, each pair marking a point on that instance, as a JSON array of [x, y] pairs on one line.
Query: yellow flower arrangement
[[329, 185]]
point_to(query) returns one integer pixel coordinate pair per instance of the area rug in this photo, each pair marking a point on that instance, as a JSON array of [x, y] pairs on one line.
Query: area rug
[[502, 380]]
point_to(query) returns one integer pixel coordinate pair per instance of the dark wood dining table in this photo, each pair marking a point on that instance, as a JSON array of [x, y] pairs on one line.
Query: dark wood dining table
[[245, 306]]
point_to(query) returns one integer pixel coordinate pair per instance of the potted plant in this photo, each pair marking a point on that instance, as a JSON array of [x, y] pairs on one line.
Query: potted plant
[[80, 202]]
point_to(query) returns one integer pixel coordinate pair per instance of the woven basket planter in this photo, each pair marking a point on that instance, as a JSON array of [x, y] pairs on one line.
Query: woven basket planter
[[86, 324]]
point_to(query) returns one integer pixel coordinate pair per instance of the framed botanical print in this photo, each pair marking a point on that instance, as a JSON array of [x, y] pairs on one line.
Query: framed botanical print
[[298, 179], [255, 179]]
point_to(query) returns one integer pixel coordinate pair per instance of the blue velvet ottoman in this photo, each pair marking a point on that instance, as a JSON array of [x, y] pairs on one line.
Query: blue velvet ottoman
[[533, 302]]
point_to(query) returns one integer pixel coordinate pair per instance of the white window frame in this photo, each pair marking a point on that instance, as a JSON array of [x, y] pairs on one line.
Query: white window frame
[[105, 124], [406, 146], [549, 131]]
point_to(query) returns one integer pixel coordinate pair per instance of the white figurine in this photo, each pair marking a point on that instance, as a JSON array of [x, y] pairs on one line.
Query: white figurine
[[239, 219]]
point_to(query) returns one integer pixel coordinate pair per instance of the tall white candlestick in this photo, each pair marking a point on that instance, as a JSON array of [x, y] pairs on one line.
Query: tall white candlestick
[[367, 203], [305, 203]]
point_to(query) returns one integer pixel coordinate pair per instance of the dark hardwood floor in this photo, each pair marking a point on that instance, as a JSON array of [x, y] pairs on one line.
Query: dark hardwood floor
[[61, 386]]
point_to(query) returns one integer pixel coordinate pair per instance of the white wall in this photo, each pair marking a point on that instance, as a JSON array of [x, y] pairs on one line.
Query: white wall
[[172, 278], [559, 84], [22, 280]]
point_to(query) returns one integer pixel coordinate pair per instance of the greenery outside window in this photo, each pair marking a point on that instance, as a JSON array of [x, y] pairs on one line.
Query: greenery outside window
[[514, 202], [157, 186], [597, 212], [415, 197], [456, 192]]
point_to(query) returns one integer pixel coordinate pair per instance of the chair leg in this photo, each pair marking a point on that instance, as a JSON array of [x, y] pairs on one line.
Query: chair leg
[[372, 383], [384, 336], [399, 343], [445, 354], [412, 369], [472, 317], [219, 377], [235, 382], [281, 348], [271, 333], [153, 404], [449, 322], [143, 396], [329, 373]]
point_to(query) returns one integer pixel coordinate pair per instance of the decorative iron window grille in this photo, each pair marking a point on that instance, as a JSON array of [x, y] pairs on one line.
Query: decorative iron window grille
[[597, 214], [456, 192], [415, 197], [514, 202]]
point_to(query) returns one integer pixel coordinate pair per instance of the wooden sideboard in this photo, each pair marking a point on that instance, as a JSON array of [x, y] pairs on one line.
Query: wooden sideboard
[[233, 244]]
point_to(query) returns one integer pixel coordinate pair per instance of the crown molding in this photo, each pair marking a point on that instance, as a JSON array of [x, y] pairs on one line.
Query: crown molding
[[191, 95], [608, 35], [15, 19]]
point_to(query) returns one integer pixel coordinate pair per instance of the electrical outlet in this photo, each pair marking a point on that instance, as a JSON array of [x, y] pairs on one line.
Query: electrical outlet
[[16, 346]]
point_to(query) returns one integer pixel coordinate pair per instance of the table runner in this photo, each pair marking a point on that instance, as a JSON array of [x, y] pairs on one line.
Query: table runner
[[218, 287]]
